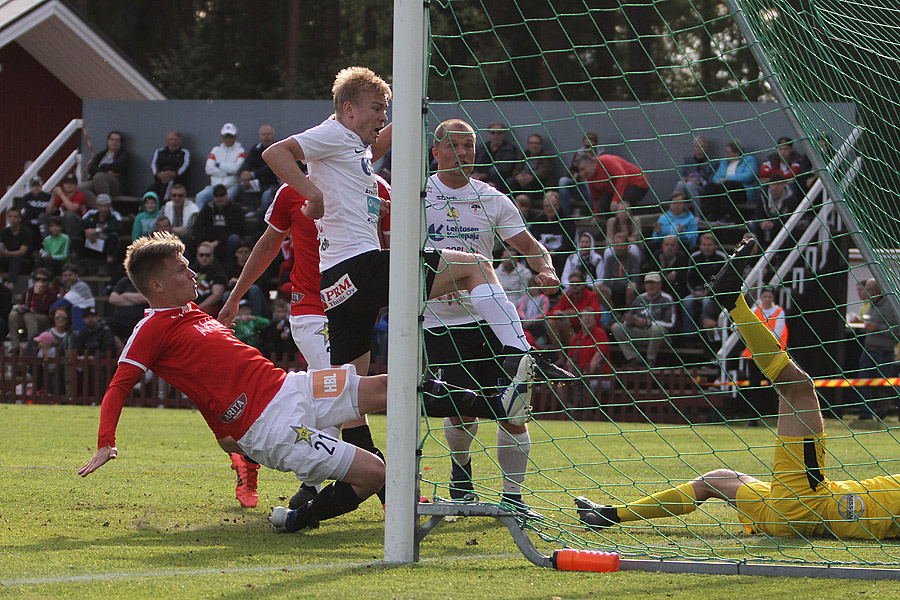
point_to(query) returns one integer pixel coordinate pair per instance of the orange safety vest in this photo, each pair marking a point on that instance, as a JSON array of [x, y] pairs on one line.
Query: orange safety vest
[[770, 323]]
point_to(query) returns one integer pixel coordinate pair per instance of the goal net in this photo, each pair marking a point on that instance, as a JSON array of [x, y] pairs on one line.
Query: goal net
[[773, 117]]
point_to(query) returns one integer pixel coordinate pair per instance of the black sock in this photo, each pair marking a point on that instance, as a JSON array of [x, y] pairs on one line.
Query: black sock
[[334, 500], [442, 402], [361, 437]]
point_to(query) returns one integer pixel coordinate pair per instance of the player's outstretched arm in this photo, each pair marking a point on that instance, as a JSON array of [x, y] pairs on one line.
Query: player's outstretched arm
[[259, 260], [282, 158], [103, 456]]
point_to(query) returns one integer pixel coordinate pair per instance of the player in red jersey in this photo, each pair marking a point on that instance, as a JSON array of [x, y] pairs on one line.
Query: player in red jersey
[[309, 325], [254, 408]]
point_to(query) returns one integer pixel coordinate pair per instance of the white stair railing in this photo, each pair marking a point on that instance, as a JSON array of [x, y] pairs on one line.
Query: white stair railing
[[20, 187]]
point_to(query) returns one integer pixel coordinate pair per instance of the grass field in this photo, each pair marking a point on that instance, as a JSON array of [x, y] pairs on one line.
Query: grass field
[[161, 521]]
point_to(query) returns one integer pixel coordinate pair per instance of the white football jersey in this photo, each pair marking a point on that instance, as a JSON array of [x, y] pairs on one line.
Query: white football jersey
[[340, 165], [468, 219]]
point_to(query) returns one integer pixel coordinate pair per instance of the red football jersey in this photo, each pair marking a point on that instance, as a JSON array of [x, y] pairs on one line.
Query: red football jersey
[[229, 382], [285, 214]]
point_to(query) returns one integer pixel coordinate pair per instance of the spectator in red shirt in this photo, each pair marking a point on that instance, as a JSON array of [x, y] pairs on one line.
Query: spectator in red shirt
[[610, 178], [68, 202], [588, 350], [563, 318]]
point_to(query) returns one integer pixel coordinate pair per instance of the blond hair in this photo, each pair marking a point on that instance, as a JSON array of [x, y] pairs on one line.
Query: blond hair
[[352, 82], [144, 257]]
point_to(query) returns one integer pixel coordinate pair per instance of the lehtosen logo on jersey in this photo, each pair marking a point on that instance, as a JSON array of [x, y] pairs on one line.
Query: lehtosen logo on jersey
[[234, 412], [340, 292], [435, 233], [851, 507]]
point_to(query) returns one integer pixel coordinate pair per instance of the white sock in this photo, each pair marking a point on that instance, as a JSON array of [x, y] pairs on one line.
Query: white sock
[[459, 439], [512, 454], [493, 306]]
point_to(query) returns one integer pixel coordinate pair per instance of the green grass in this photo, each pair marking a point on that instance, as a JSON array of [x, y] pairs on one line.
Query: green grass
[[161, 521]]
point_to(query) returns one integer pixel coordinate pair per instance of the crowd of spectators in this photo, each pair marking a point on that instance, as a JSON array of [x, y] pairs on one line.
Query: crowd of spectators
[[628, 282]]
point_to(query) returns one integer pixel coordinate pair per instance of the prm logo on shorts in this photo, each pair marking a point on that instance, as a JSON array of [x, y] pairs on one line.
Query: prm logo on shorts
[[329, 383], [338, 293]]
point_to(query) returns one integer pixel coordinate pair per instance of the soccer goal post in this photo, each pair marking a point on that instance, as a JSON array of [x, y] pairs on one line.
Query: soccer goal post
[[774, 117]]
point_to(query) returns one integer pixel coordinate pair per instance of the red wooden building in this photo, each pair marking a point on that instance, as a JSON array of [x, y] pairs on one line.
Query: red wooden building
[[50, 61]]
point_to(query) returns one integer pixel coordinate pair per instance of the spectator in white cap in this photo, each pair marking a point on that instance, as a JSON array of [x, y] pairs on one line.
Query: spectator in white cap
[[223, 166], [651, 317]]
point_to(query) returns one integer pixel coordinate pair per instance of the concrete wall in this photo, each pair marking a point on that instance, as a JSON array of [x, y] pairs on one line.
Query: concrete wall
[[654, 136]]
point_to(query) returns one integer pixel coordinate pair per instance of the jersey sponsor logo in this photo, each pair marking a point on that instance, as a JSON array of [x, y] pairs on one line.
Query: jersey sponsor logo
[[373, 208], [452, 213], [209, 325], [340, 292], [475, 208], [234, 412], [437, 233], [328, 383], [366, 165], [851, 507]]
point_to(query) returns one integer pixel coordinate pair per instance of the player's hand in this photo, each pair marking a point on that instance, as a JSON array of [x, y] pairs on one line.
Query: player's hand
[[229, 311], [450, 298], [548, 282], [384, 208], [103, 456], [314, 209]]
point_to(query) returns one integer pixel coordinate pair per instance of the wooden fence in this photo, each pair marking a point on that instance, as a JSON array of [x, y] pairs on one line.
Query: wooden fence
[[660, 396]]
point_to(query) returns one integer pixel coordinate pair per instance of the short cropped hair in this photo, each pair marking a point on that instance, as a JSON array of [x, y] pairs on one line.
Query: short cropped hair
[[144, 257], [353, 82], [443, 131]]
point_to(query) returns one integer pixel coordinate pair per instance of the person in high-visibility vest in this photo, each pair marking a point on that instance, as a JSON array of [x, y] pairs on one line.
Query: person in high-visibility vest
[[763, 401]]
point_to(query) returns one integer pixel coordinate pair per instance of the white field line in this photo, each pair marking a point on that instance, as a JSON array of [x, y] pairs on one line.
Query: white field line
[[236, 570]]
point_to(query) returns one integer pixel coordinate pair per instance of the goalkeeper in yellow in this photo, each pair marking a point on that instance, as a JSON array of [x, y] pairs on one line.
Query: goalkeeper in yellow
[[799, 501]]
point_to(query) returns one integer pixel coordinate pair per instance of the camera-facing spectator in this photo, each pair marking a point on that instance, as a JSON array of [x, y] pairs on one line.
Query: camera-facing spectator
[[107, 170], [102, 228], [169, 165], [15, 247], [180, 211], [145, 222], [651, 317], [31, 315]]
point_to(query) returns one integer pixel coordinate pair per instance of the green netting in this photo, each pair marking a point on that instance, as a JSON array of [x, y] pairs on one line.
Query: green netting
[[650, 78]]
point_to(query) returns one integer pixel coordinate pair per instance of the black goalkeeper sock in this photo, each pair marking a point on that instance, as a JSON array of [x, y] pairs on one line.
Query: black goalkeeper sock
[[439, 401], [361, 437], [334, 500]]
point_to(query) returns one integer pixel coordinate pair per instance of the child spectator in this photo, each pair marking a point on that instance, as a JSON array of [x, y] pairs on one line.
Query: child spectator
[[55, 252], [145, 222], [276, 341], [622, 222], [247, 325]]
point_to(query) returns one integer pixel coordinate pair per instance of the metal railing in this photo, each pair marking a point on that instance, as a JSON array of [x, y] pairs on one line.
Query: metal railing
[[72, 160]]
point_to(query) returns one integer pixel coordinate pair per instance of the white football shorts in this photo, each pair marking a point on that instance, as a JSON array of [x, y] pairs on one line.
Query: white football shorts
[[297, 431]]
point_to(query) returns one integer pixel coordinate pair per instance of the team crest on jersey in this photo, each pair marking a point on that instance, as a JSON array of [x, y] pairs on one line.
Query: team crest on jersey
[[304, 434], [366, 165], [234, 412], [475, 208], [452, 213], [297, 297], [337, 294], [851, 507]]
